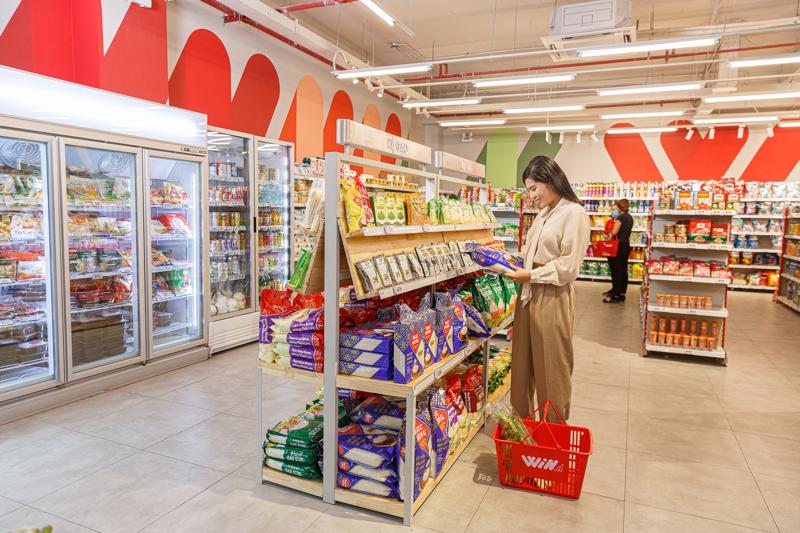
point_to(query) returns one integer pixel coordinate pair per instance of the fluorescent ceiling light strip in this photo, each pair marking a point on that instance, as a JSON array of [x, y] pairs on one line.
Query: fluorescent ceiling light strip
[[666, 129], [562, 127], [764, 61], [650, 89], [444, 102], [749, 97], [735, 120], [378, 10], [790, 124], [545, 109], [381, 71], [527, 80], [648, 46], [644, 114], [487, 122]]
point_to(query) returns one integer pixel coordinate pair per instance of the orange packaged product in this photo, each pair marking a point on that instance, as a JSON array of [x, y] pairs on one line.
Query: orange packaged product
[[704, 328], [669, 338], [683, 326], [653, 337], [662, 325], [684, 301], [673, 325], [660, 299], [693, 327], [662, 337], [709, 302], [687, 341], [702, 342], [691, 301]]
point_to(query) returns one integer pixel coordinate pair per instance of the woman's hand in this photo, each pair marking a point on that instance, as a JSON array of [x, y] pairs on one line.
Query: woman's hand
[[520, 275]]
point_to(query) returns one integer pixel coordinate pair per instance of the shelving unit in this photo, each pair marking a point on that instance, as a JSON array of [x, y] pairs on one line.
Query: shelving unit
[[788, 290], [338, 244], [683, 288]]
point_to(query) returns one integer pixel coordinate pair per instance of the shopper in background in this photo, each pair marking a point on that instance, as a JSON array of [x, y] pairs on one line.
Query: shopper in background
[[542, 354], [623, 224]]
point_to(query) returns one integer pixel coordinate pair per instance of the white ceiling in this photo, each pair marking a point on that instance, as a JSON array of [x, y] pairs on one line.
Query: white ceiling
[[444, 29]]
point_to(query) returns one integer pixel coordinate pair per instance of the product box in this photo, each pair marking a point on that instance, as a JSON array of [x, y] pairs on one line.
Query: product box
[[719, 233], [699, 230], [684, 200], [409, 351], [365, 371], [732, 201], [371, 338], [702, 200], [718, 200], [361, 357]]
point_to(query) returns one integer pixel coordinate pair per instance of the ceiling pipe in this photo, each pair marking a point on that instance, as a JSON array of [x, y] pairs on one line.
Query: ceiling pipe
[[233, 16], [665, 57], [312, 5]]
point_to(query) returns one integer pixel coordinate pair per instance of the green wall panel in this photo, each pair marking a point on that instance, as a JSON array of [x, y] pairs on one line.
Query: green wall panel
[[501, 158], [536, 145]]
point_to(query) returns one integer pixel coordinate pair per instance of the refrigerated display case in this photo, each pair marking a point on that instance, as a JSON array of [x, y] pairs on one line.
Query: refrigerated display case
[[230, 237], [275, 213], [175, 237], [101, 231], [28, 347]]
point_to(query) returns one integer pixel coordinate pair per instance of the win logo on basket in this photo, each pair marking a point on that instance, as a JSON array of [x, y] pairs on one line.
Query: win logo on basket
[[532, 461]]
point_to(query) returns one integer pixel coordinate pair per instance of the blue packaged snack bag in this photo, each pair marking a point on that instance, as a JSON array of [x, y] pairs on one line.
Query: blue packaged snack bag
[[430, 331], [365, 371], [384, 489], [378, 474], [475, 322], [380, 412], [440, 440], [370, 337], [493, 259]]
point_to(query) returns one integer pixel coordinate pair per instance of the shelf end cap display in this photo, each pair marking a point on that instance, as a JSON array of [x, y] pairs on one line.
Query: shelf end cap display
[[358, 135]]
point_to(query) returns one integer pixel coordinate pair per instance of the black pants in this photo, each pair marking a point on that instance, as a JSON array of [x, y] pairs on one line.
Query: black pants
[[619, 269]]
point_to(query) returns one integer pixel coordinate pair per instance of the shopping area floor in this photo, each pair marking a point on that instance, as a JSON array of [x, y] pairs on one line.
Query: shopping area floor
[[679, 446]]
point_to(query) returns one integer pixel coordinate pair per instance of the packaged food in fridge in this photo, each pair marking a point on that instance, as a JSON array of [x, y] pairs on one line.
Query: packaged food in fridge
[[176, 223], [26, 226], [157, 227], [82, 191], [30, 270], [8, 271]]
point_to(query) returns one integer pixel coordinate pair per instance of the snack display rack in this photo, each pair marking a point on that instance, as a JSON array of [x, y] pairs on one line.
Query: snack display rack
[[506, 204], [788, 290], [685, 312], [345, 248]]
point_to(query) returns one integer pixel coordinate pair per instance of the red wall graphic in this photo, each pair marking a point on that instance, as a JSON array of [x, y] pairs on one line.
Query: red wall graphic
[[702, 157], [64, 39], [631, 157], [776, 157]]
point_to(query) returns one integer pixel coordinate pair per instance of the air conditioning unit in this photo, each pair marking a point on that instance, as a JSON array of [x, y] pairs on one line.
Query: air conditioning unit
[[589, 24]]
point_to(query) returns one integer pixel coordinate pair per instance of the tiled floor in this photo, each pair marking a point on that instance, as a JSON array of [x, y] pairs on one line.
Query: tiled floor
[[679, 446]]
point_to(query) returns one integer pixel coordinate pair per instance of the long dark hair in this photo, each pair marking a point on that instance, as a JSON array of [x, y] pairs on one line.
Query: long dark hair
[[542, 169]]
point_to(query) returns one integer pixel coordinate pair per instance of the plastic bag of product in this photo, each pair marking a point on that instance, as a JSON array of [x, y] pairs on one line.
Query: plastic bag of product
[[312, 339], [377, 474], [472, 389], [295, 469], [423, 428], [440, 440], [380, 412], [493, 259], [354, 206], [364, 429], [512, 428], [299, 321], [280, 452], [475, 322], [374, 451], [386, 489], [297, 432]]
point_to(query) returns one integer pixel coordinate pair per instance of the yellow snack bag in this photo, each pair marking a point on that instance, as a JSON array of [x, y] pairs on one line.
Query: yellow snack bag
[[354, 211]]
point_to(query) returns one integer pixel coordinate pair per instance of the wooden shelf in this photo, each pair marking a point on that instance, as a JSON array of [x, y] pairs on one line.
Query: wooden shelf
[[396, 507], [788, 303], [501, 391], [290, 373], [718, 312], [790, 277], [756, 267], [309, 486], [745, 287], [715, 354]]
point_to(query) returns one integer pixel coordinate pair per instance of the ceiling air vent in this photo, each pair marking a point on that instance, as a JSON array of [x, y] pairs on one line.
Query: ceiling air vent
[[589, 24]]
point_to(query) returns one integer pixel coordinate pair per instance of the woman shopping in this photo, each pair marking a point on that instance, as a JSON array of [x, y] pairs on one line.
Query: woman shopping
[[542, 359], [623, 224]]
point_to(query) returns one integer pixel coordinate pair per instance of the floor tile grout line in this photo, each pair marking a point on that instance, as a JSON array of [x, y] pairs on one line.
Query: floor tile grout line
[[749, 468], [65, 519], [697, 516]]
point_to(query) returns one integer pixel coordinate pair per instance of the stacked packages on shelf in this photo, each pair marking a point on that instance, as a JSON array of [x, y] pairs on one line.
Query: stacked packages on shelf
[[505, 198], [723, 195], [602, 268], [682, 266], [696, 230], [638, 189], [685, 333], [291, 330]]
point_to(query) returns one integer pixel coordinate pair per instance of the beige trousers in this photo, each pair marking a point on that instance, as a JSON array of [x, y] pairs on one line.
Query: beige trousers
[[542, 357]]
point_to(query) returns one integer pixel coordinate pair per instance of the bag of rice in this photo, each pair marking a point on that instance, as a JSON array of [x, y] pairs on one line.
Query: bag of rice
[[306, 456], [297, 432], [386, 489], [313, 339], [374, 451], [362, 357], [299, 321], [378, 411], [377, 474], [295, 469]]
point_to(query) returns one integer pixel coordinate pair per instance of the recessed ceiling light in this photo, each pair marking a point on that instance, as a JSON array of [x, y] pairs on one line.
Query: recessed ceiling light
[[748, 97], [444, 102], [764, 61], [381, 71], [665, 129], [617, 91], [378, 10], [562, 127], [544, 109], [527, 80], [487, 122], [735, 120], [648, 46], [653, 114]]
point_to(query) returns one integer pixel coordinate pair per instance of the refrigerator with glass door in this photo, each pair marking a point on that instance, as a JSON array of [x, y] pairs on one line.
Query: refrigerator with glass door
[[276, 212], [175, 258], [29, 287]]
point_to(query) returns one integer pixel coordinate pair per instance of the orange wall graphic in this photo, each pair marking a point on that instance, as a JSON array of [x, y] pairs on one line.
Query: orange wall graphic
[[631, 157]]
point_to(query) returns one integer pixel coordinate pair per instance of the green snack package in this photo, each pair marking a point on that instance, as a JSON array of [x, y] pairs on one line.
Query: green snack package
[[295, 469], [301, 267], [306, 456], [512, 428], [297, 432]]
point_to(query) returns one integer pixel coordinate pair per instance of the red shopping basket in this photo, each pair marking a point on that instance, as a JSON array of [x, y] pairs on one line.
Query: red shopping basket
[[605, 248], [556, 464]]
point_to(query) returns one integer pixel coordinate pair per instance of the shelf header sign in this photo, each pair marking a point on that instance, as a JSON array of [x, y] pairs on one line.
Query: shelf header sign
[[448, 161], [360, 136]]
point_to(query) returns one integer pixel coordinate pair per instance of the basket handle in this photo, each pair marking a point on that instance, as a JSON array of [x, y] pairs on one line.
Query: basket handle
[[545, 408]]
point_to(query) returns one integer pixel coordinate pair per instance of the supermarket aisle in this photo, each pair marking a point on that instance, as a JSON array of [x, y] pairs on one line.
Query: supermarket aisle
[[679, 446]]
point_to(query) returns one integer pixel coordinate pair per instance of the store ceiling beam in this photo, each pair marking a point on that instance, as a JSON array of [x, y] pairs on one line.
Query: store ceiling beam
[[312, 5]]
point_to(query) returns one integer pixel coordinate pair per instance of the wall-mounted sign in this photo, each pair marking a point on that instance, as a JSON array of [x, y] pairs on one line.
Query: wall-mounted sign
[[448, 161], [361, 136]]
